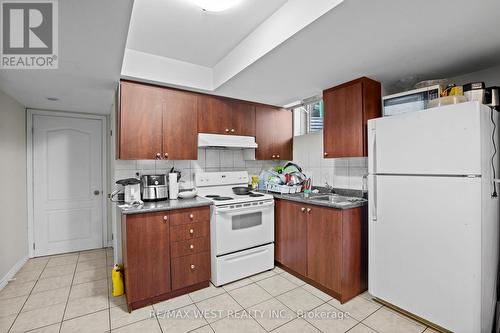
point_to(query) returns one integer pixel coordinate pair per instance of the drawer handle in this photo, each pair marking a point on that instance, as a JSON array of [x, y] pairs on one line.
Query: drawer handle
[[193, 267], [165, 218], [191, 246], [191, 231], [191, 216], [309, 210], [302, 209]]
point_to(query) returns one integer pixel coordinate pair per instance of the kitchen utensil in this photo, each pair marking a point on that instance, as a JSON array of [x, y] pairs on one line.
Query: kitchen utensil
[[132, 189], [475, 91], [188, 194], [241, 190], [173, 185], [179, 175], [154, 187], [447, 100]]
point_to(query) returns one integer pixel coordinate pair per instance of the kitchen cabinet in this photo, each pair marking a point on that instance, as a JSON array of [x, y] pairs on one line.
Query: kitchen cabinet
[[219, 115], [273, 133], [347, 108], [326, 247], [290, 238], [156, 123], [165, 254]]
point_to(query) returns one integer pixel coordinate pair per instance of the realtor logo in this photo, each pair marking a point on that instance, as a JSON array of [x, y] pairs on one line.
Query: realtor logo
[[29, 34]]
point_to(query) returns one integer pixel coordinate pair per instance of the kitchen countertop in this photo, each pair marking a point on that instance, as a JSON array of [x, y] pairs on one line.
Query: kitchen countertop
[[158, 206], [298, 197]]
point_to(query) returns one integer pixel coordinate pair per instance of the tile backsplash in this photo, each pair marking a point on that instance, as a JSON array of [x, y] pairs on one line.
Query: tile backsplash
[[339, 172], [209, 160]]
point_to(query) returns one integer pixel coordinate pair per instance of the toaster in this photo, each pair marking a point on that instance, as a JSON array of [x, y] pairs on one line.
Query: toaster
[[154, 187]]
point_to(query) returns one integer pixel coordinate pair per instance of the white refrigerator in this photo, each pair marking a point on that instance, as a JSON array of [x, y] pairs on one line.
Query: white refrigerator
[[433, 223]]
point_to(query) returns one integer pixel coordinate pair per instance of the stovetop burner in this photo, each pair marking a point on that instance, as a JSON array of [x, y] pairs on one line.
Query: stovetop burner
[[219, 198], [255, 195]]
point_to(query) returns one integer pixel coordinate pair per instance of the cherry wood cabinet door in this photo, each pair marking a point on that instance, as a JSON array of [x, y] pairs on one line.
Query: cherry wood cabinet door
[[140, 121], [291, 236], [324, 247], [214, 115], [147, 272], [180, 125], [265, 129], [283, 137], [243, 121]]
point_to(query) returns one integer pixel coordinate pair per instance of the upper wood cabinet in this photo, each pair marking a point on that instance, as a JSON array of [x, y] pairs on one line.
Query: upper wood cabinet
[[219, 115], [215, 115], [347, 110], [273, 133], [156, 123], [139, 122]]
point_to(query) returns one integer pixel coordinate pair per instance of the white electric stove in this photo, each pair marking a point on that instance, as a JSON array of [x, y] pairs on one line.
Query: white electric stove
[[241, 227]]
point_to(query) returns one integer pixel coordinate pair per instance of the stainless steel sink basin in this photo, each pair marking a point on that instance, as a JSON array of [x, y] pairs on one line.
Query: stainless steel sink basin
[[338, 199]]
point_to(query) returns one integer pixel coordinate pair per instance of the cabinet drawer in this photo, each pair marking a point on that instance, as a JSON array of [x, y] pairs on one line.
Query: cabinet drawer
[[191, 215], [189, 231], [189, 270], [190, 246]]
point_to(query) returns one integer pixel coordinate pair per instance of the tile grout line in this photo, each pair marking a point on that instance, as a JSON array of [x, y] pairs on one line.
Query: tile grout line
[[29, 294], [69, 294]]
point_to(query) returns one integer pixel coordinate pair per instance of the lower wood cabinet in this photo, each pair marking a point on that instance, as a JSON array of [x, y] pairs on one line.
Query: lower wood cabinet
[[165, 254], [326, 247]]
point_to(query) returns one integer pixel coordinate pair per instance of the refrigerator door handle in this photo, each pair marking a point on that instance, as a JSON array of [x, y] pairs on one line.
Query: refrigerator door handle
[[372, 151], [372, 199]]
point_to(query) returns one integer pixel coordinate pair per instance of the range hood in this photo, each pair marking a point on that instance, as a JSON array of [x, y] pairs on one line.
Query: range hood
[[226, 141]]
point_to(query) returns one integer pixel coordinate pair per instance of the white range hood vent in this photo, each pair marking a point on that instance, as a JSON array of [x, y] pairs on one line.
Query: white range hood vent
[[226, 141]]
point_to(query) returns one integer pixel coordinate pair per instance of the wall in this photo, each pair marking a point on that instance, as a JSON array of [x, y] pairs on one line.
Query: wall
[[13, 216], [209, 160], [339, 172], [490, 76]]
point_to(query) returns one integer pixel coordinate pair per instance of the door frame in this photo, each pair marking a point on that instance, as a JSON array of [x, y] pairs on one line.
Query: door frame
[[30, 113]]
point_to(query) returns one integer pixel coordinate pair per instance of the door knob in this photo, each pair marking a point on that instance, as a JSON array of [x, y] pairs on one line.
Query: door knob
[[97, 192]]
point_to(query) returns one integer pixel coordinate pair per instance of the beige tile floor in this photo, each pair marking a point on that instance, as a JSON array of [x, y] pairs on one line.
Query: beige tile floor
[[72, 293]]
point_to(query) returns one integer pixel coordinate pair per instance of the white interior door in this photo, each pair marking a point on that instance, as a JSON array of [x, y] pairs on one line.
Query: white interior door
[[67, 184], [425, 247]]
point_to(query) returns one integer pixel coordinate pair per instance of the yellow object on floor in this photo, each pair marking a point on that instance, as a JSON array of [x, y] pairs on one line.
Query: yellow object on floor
[[117, 278]]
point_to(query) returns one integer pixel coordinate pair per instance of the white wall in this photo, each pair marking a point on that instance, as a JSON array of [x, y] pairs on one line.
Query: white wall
[[490, 76], [339, 172], [13, 216]]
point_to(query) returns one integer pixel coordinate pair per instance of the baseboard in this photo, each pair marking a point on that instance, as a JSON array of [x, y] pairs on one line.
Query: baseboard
[[10, 274]]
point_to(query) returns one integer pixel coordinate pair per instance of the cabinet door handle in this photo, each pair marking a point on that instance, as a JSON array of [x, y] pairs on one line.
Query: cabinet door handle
[[325, 153], [227, 130], [191, 216], [165, 218], [274, 156], [191, 246], [309, 210], [158, 156], [166, 155], [278, 156], [193, 267], [302, 209], [191, 231], [232, 130]]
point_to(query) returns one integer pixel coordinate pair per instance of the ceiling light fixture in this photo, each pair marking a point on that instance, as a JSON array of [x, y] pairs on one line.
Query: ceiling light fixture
[[216, 5]]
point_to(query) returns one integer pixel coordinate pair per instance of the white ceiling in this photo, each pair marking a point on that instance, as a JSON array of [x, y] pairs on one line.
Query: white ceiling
[[92, 36], [178, 29], [386, 40]]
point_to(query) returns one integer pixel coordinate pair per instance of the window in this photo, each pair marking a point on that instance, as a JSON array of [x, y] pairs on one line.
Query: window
[[308, 118]]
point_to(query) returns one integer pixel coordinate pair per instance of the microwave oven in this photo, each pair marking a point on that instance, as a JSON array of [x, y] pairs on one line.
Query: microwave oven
[[413, 100]]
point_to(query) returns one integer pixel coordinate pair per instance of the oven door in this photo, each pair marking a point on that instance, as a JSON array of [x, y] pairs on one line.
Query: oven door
[[239, 227]]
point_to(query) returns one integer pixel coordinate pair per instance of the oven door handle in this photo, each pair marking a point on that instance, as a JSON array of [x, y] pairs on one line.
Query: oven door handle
[[252, 208]]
